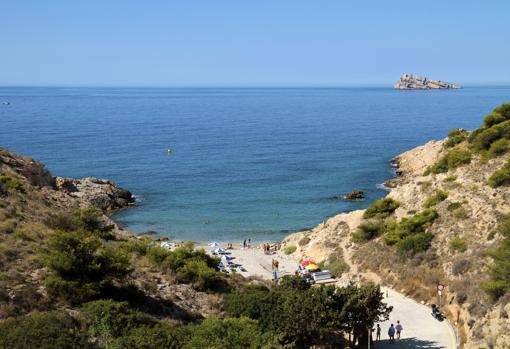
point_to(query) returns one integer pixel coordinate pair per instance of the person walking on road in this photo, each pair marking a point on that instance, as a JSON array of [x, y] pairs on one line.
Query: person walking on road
[[391, 333], [399, 329], [378, 333]]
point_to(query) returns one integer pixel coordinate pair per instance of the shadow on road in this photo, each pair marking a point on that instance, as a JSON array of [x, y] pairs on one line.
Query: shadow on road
[[405, 343]]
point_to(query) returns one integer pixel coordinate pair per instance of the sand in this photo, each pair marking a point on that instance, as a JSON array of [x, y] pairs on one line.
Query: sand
[[257, 263]]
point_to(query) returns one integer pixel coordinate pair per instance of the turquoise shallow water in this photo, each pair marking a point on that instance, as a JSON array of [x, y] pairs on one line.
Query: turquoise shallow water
[[246, 163]]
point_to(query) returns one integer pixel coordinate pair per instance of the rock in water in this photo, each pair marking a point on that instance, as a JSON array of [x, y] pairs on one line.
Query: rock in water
[[415, 82], [355, 195]]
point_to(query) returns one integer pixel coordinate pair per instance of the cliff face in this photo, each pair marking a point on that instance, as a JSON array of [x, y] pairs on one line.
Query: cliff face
[[469, 213], [415, 82]]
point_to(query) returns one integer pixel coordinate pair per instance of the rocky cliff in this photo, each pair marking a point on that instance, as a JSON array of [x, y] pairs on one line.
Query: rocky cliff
[[415, 82], [462, 235], [102, 194]]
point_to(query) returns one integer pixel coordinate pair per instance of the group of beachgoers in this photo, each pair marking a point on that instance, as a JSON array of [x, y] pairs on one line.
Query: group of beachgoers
[[247, 243], [392, 331]]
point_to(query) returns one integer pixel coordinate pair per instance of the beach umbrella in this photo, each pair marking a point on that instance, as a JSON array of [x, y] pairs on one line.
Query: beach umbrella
[[311, 267], [219, 250], [305, 263], [213, 244]]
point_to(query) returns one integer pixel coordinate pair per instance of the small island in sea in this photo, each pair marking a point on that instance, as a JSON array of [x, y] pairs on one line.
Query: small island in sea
[[415, 82]]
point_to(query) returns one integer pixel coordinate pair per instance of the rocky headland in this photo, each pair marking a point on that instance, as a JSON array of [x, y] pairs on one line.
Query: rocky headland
[[415, 82], [467, 210]]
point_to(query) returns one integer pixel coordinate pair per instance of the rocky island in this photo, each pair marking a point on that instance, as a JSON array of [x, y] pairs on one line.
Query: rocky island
[[415, 82]]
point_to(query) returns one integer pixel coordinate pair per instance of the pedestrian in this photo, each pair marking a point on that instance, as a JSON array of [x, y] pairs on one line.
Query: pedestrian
[[249, 243], [244, 243], [399, 329], [378, 333], [276, 265], [391, 333]]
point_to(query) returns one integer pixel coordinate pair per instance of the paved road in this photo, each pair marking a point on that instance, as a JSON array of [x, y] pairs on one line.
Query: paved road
[[421, 330]]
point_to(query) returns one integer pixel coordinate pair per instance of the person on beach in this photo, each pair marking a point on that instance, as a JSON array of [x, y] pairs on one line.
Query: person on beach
[[249, 243], [276, 264], [244, 243], [391, 333], [378, 333], [399, 329]]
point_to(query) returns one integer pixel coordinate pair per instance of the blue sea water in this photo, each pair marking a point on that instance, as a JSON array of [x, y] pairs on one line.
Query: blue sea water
[[246, 163]]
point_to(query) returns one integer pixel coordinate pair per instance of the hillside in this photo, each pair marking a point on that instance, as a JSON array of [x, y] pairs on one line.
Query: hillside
[[71, 278], [441, 222]]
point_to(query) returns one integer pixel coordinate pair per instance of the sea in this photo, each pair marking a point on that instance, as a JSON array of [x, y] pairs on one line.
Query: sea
[[253, 163]]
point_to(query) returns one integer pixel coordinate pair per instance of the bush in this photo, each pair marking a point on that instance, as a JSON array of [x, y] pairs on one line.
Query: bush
[[499, 270], [415, 243], [410, 234], [381, 208], [200, 275], [460, 266], [450, 179], [134, 246], [149, 337], [304, 241], [500, 177], [107, 319], [81, 268], [157, 255], [493, 119], [460, 213], [453, 159], [294, 282], [290, 249], [499, 147], [453, 206], [235, 333], [457, 244], [91, 220], [12, 183], [368, 231], [455, 137], [42, 331], [439, 196]]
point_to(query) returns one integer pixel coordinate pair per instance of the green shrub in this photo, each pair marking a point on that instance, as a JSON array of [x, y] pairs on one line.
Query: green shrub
[[91, 220], [80, 266], [42, 331], [150, 337], [455, 137], [424, 186], [200, 275], [139, 247], [439, 196], [499, 270], [381, 208], [453, 159], [294, 282], [493, 119], [368, 231], [107, 319], [410, 234], [415, 243], [235, 333], [460, 213], [499, 147], [289, 249], [12, 183], [491, 235], [453, 206], [450, 179], [304, 241], [337, 267], [500, 177], [157, 255], [457, 244]]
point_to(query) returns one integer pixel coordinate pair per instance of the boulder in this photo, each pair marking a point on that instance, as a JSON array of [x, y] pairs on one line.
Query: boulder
[[354, 195]]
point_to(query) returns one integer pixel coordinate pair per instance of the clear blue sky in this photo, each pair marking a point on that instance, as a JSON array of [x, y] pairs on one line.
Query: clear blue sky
[[252, 43]]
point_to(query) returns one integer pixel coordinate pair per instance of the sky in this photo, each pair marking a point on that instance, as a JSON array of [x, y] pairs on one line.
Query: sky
[[225, 43]]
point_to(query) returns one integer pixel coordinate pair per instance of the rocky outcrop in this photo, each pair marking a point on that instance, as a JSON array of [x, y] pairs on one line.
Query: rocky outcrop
[[415, 82], [100, 193], [355, 195], [33, 171]]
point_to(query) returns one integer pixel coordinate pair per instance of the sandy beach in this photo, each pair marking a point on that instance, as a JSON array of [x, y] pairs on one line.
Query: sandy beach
[[256, 262]]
